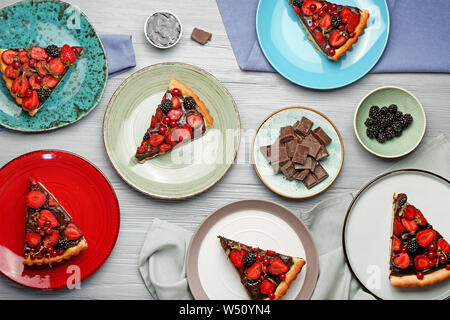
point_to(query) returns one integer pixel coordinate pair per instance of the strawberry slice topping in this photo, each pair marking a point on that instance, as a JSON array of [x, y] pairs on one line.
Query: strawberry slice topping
[[337, 39], [175, 114], [443, 244], [420, 219], [237, 258], [267, 287], [175, 102], [425, 237], [194, 120], [325, 22], [156, 140], [33, 239], [56, 66], [20, 85], [409, 225], [72, 232], [353, 21], [52, 239], [410, 212], [396, 244], [46, 215], [398, 228], [23, 56], [50, 81], [11, 72], [35, 199], [165, 147], [277, 266], [421, 262], [181, 134], [8, 56], [38, 53], [402, 260], [31, 102], [40, 67], [308, 9], [344, 14], [254, 271], [68, 56], [34, 84]]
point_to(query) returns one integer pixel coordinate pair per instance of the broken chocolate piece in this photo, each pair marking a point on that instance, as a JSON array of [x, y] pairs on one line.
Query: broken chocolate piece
[[301, 175], [286, 134], [322, 154], [320, 173], [303, 126], [201, 36], [307, 165], [290, 147], [321, 136], [300, 155], [310, 180], [288, 170], [313, 147]]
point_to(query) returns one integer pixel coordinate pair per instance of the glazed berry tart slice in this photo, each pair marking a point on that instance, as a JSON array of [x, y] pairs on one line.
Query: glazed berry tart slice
[[332, 28], [51, 235], [32, 75], [265, 274], [180, 118], [420, 256]]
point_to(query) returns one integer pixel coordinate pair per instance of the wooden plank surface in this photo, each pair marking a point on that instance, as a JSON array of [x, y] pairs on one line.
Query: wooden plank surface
[[256, 94]]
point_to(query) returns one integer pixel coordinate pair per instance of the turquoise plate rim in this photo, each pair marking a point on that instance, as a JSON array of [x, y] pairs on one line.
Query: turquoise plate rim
[[383, 155], [341, 142], [99, 97], [105, 142], [297, 79]]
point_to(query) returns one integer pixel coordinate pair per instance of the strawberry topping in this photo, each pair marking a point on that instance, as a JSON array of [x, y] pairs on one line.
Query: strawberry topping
[[31, 102], [396, 244], [267, 287], [52, 239], [38, 53], [12, 72], [410, 212], [237, 258], [194, 120], [310, 7], [20, 85], [344, 14], [325, 22], [443, 244], [156, 140], [45, 216], [8, 56], [398, 228], [425, 237], [421, 262], [409, 225], [402, 260], [175, 114], [181, 134], [33, 239], [35, 199], [353, 21], [40, 67], [277, 266], [68, 56], [254, 271], [72, 232], [337, 39], [50, 81], [56, 66]]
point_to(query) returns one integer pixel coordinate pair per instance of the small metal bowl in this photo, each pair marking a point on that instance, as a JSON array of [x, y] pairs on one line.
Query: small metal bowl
[[148, 27]]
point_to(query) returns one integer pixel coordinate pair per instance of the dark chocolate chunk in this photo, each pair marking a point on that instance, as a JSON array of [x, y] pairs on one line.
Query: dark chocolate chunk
[[320, 173], [310, 137], [301, 175], [290, 147], [310, 180], [314, 164], [307, 165], [313, 147], [286, 134], [288, 170], [322, 154], [201, 36], [300, 155], [320, 135], [303, 126], [265, 150]]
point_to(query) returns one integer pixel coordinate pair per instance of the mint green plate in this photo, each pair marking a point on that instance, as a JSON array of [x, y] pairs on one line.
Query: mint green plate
[[269, 131], [189, 169], [411, 136]]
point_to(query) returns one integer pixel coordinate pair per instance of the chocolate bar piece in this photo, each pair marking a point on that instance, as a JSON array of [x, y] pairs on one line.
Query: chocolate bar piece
[[278, 155], [320, 173], [320, 135], [286, 134], [314, 164], [298, 137], [322, 154], [310, 181], [310, 137], [307, 165], [201, 36], [303, 126], [288, 170], [313, 147], [301, 175], [290, 147], [265, 150], [300, 155]]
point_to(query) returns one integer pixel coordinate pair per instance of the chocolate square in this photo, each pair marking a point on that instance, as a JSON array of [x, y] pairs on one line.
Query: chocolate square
[[286, 134], [301, 175], [303, 126], [265, 150], [298, 137], [300, 155], [310, 137], [278, 155], [322, 154], [314, 164], [320, 173], [313, 147], [320, 135], [310, 181], [201, 36], [290, 147], [307, 165], [288, 170]]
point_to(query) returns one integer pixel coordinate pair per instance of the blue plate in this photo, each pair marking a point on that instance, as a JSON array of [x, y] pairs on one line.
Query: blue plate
[[286, 47], [42, 23]]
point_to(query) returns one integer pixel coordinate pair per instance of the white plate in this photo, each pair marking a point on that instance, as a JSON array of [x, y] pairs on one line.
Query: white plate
[[368, 225], [256, 223]]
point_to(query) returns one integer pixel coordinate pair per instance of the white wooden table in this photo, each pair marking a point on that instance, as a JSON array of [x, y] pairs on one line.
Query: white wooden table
[[256, 94]]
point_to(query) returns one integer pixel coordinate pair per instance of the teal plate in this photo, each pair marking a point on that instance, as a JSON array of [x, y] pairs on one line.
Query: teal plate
[[42, 23], [411, 136], [285, 45], [269, 131]]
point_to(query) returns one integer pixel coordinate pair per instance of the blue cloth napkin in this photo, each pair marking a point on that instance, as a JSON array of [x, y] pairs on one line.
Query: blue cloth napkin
[[119, 52], [419, 39]]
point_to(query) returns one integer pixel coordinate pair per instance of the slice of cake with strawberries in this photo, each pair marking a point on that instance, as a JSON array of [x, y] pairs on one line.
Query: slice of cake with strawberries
[[32, 74], [420, 255], [51, 235], [332, 28], [265, 274], [180, 118]]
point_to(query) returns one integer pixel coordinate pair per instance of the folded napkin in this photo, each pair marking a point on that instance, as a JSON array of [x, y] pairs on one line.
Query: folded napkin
[[165, 245], [119, 52], [412, 47]]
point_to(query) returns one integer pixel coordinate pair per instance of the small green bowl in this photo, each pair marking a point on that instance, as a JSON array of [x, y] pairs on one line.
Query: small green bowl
[[411, 136]]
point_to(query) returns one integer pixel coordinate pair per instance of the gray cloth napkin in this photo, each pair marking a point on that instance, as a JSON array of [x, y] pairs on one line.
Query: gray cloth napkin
[[162, 259]]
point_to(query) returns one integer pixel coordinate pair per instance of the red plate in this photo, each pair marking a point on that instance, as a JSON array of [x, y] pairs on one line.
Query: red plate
[[84, 192]]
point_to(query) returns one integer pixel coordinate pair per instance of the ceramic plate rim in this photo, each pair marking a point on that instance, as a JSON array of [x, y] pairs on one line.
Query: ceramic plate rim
[[298, 82], [421, 108], [95, 104], [312, 263], [363, 189], [340, 142], [108, 110], [113, 192]]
